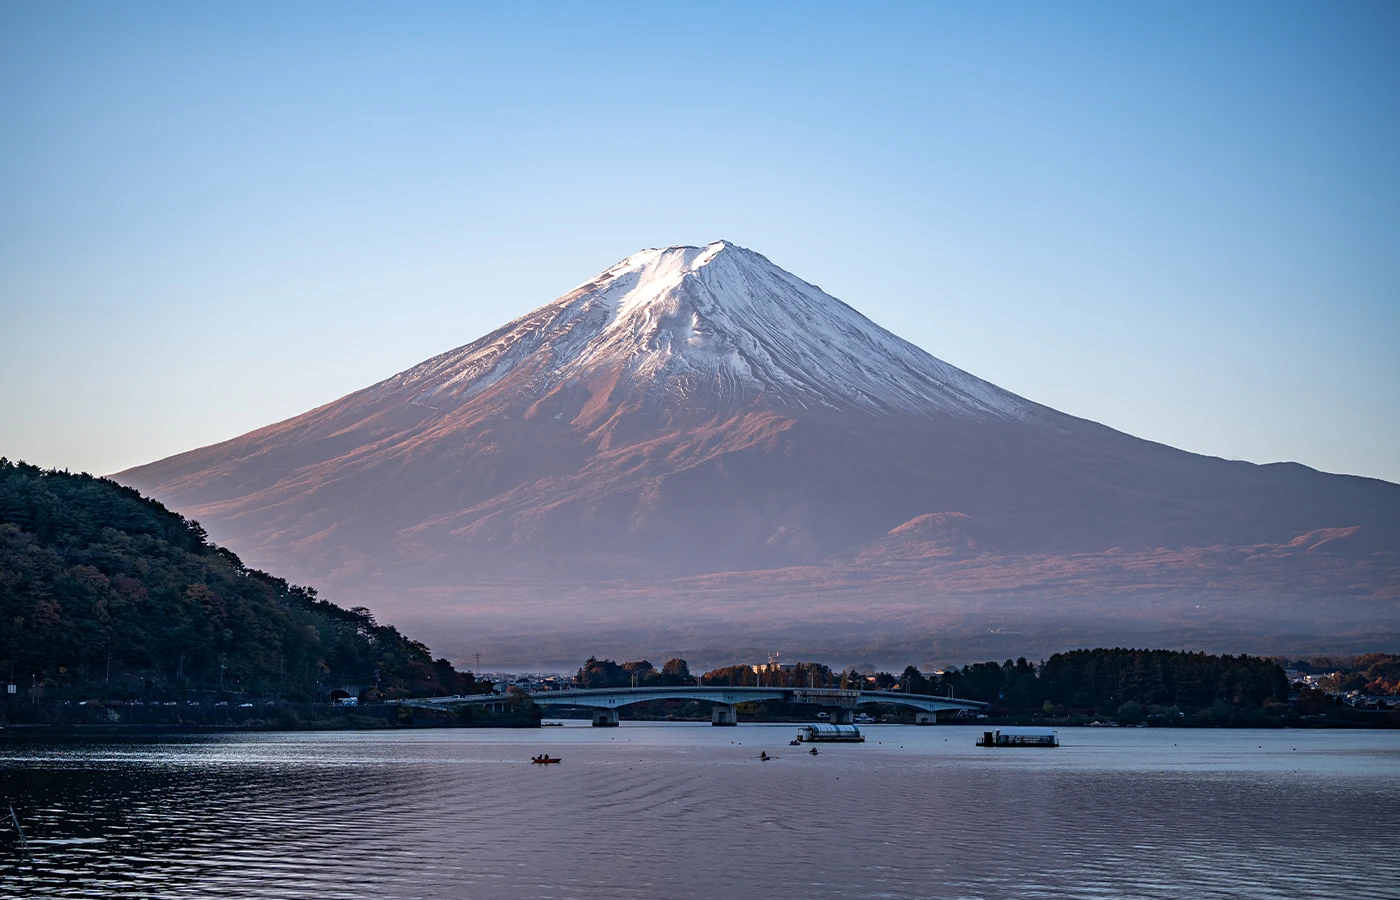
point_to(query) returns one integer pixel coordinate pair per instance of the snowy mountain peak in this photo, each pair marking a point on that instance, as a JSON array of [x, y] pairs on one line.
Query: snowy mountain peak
[[709, 329]]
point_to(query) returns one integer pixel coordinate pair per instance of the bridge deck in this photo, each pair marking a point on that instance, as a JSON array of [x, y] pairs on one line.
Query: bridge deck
[[612, 698]]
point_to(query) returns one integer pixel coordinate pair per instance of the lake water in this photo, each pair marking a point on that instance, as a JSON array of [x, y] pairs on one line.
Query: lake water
[[681, 811]]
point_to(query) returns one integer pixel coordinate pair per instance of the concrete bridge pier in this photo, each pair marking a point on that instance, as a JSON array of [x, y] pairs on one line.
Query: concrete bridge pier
[[925, 718], [842, 715], [723, 715], [604, 718]]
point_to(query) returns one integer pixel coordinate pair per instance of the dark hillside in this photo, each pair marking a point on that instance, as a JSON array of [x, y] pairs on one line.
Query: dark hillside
[[106, 593]]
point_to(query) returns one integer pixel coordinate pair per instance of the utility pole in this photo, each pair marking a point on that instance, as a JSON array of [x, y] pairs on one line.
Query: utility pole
[[108, 679]]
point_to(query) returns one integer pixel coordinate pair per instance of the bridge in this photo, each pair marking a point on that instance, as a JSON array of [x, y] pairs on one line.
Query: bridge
[[605, 702]]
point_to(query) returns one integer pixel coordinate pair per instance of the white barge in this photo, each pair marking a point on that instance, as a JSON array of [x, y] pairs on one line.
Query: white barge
[[821, 731]]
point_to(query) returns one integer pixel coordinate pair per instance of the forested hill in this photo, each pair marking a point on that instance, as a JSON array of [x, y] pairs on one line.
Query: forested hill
[[104, 591]]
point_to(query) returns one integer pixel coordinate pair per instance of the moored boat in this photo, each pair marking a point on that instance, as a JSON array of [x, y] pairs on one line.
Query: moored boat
[[1019, 737], [823, 732]]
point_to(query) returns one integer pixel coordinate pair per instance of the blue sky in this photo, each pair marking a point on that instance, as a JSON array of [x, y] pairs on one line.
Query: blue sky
[[1181, 220]]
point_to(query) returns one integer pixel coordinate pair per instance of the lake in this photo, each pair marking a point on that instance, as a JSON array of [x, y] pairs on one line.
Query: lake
[[679, 811]]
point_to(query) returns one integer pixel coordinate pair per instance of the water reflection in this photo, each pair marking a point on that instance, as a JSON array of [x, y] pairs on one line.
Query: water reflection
[[676, 811]]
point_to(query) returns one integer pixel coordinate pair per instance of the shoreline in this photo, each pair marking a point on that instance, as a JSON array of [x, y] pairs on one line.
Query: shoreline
[[44, 730]]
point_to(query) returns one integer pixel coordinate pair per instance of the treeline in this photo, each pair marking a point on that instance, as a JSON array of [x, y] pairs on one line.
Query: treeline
[[1130, 684], [604, 673], [1100, 678], [973, 682], [1081, 680], [104, 593]]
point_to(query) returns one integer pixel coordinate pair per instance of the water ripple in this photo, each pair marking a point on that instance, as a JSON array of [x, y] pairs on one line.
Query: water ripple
[[918, 813]]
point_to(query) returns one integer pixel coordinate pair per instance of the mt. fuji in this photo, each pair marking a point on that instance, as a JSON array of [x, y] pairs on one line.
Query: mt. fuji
[[708, 331], [697, 449]]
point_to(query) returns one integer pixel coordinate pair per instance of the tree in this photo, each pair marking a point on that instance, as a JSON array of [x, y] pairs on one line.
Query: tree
[[730, 676], [640, 672], [913, 681], [1311, 701], [676, 671], [602, 673]]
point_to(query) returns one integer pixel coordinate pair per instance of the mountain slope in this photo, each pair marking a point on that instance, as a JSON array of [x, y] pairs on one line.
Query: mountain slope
[[693, 411]]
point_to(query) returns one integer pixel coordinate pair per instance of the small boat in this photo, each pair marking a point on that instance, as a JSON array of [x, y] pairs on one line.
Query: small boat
[[545, 760]]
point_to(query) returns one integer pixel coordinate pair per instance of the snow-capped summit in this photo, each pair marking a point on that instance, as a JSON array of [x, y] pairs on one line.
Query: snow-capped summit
[[711, 329]]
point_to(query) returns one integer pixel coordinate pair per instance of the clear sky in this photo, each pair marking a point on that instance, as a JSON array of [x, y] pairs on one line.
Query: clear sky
[[1179, 219]]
